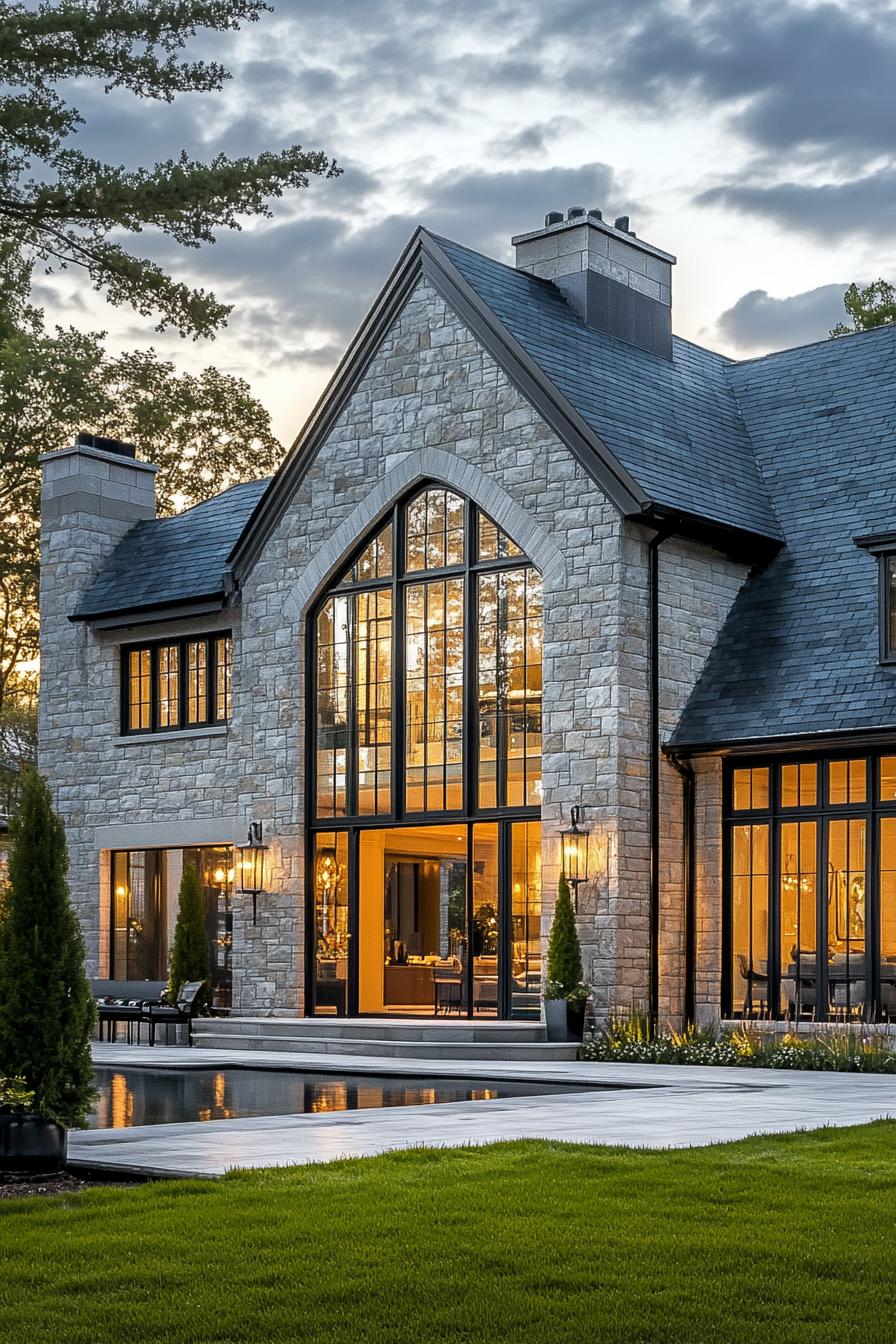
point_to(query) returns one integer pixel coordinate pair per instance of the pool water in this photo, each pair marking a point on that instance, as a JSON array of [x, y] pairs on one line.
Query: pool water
[[136, 1096]]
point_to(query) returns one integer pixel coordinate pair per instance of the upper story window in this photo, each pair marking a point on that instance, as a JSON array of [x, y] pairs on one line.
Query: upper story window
[[883, 546], [428, 669], [177, 683]]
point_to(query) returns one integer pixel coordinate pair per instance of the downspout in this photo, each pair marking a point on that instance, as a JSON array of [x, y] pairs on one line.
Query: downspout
[[689, 850], [653, 674]]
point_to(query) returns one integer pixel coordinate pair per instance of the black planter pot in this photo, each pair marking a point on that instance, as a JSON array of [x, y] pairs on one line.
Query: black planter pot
[[555, 1019], [575, 1021], [30, 1144]]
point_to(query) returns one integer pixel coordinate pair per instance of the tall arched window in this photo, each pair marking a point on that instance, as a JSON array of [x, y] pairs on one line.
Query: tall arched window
[[425, 871]]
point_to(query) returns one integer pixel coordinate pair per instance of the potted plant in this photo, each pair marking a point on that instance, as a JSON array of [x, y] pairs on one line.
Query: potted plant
[[46, 1008], [189, 950], [565, 994]]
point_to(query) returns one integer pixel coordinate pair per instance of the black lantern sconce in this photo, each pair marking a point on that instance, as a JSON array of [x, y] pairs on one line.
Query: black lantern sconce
[[251, 865], [574, 853]]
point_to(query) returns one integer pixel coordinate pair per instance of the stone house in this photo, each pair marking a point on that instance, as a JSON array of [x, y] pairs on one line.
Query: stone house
[[531, 552]]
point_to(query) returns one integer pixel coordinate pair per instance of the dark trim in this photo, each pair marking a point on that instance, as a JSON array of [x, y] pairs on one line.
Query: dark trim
[[180, 642], [738, 543], [877, 542], [199, 605], [653, 756], [865, 738], [689, 850]]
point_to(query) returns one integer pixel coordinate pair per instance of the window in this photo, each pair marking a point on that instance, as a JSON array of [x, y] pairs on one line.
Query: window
[[425, 868], [882, 546], [810, 889], [184, 683]]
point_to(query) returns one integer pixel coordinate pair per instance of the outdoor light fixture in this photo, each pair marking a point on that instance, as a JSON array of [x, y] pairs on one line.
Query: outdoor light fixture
[[574, 853], [251, 865]]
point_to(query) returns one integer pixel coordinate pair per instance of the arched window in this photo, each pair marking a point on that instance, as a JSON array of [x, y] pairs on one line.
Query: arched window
[[427, 747]]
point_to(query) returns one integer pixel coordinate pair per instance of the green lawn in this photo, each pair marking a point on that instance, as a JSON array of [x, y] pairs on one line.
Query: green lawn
[[773, 1239]]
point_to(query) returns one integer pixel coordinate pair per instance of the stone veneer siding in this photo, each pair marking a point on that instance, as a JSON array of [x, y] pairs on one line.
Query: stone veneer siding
[[433, 403]]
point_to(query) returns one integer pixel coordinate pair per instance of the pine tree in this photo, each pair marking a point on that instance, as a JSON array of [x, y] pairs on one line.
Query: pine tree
[[564, 953], [189, 951], [46, 1008]]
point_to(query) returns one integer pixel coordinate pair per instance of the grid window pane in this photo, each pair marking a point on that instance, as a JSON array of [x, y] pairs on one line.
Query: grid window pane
[[434, 681], [168, 699], [847, 781], [374, 562], [333, 661], [750, 920], [509, 623], [434, 522], [223, 678], [140, 690], [492, 542], [197, 681], [750, 790], [373, 699], [799, 785], [798, 907]]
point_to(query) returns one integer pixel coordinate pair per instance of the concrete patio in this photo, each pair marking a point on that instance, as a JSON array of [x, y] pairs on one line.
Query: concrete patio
[[651, 1106]]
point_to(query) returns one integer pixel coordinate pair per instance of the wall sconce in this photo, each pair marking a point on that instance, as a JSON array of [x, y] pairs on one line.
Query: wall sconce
[[574, 853], [251, 865]]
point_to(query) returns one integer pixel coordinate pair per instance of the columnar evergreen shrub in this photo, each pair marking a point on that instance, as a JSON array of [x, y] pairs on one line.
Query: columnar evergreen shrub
[[564, 966], [47, 1011], [189, 951]]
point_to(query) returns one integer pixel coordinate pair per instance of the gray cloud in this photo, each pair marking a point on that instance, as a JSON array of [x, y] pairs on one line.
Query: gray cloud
[[759, 322], [864, 207]]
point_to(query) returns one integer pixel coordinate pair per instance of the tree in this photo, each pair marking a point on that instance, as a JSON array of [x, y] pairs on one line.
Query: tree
[[871, 306], [189, 951], [205, 431], [564, 966], [62, 208], [46, 1009]]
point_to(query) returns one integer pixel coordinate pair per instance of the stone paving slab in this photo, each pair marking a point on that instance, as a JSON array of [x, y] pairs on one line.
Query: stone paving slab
[[635, 1105]]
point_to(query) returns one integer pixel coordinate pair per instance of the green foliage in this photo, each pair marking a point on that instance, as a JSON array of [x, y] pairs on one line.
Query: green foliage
[[205, 431], [15, 1096], [46, 1009], [60, 207], [564, 964], [629, 1040], [872, 306], [189, 951], [778, 1239]]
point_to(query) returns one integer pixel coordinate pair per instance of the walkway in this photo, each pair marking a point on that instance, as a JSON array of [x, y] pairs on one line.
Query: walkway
[[670, 1107]]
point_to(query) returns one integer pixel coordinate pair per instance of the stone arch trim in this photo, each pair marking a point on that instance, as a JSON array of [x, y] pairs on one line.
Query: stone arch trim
[[416, 467]]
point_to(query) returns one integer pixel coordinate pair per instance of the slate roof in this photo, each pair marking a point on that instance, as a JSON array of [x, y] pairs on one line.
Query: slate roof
[[675, 426], [799, 651], [168, 560]]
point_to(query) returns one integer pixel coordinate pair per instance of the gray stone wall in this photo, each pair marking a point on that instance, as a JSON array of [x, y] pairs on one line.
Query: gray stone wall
[[432, 404]]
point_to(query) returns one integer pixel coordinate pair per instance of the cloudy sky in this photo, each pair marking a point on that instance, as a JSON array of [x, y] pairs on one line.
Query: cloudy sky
[[755, 139]]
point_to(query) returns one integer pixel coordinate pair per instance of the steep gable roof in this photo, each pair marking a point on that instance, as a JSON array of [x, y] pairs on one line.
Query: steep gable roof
[[163, 562], [674, 425], [798, 653]]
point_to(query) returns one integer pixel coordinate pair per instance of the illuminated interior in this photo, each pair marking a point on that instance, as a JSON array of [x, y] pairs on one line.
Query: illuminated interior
[[427, 666]]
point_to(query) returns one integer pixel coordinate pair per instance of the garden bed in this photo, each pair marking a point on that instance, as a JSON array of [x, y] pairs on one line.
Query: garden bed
[[853, 1049]]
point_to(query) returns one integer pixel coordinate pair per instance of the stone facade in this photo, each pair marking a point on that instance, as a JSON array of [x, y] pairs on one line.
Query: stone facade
[[432, 404]]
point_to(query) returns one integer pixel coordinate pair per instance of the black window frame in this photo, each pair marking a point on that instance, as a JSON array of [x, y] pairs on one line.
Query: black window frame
[[872, 809], [470, 813], [882, 545], [152, 647]]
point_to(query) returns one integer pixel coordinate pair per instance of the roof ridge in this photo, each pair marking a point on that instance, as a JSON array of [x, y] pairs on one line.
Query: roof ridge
[[826, 342]]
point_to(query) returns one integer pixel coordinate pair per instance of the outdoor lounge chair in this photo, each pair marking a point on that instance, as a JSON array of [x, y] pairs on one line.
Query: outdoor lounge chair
[[180, 1013], [124, 1001]]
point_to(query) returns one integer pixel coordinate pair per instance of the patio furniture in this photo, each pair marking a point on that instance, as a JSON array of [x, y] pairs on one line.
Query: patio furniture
[[178, 1014], [800, 984], [757, 988], [124, 1001], [448, 987]]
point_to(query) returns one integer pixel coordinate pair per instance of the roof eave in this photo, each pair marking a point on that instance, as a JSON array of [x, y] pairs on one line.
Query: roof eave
[[199, 604]]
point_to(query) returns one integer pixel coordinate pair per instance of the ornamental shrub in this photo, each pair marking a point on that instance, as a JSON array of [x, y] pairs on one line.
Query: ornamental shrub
[[47, 1011], [564, 967], [189, 951]]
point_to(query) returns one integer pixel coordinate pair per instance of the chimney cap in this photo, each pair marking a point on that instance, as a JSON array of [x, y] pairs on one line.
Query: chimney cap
[[576, 212], [105, 445], [553, 217]]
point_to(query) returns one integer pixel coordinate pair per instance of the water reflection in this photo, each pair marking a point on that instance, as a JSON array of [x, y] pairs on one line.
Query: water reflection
[[132, 1096]]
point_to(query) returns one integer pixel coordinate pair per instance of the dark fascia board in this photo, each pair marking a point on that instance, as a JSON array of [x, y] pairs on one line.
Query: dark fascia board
[[200, 605], [423, 256], [738, 543], [882, 736], [878, 543]]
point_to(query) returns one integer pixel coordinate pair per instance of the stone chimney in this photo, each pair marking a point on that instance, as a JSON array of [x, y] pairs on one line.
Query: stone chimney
[[91, 494], [615, 282]]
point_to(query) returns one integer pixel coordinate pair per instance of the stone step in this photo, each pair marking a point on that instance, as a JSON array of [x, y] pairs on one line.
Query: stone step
[[391, 1048], [379, 1029]]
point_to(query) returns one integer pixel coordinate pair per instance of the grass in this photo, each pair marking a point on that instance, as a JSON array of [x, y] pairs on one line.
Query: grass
[[782, 1239]]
